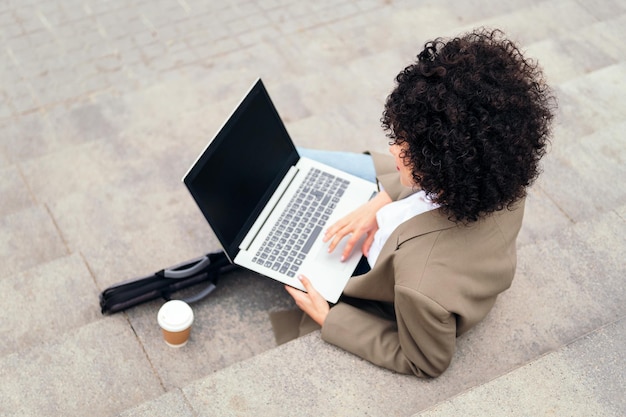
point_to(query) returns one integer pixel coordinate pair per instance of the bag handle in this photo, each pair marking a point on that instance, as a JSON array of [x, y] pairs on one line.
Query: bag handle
[[196, 297], [185, 273], [216, 261]]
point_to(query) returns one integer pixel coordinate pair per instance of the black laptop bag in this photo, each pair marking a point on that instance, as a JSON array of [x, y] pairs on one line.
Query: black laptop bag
[[162, 284]]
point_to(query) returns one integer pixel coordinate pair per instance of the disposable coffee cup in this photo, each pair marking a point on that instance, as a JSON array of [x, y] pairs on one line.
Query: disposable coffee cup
[[175, 319]]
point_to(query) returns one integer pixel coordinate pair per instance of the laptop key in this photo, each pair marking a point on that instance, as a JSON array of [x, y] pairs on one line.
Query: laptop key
[[309, 243], [301, 223]]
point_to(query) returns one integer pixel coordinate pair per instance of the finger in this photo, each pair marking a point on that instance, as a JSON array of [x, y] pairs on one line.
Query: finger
[[338, 236], [295, 293], [347, 251], [332, 230], [311, 295], [348, 229], [367, 244], [306, 284]]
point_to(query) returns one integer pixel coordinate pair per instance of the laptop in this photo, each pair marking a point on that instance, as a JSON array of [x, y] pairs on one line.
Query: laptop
[[267, 206]]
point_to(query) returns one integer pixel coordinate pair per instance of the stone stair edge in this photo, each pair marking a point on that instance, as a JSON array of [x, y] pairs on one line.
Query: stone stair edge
[[320, 349]]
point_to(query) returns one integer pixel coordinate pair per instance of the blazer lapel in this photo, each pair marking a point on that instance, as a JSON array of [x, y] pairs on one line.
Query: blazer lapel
[[431, 221]]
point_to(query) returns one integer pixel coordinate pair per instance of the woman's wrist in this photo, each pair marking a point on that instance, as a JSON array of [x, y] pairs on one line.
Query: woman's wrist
[[381, 199]]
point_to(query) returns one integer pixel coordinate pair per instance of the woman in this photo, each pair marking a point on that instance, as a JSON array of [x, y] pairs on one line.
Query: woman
[[468, 123]]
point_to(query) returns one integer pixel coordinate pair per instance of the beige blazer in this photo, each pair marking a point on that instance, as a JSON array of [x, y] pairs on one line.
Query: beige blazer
[[434, 280]]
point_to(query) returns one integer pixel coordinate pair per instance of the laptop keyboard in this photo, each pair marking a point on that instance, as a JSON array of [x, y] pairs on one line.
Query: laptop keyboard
[[300, 224]]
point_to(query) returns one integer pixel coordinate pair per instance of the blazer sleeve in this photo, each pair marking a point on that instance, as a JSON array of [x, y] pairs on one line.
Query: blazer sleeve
[[420, 342]]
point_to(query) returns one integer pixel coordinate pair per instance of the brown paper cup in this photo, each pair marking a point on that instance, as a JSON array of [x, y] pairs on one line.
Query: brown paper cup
[[175, 319]]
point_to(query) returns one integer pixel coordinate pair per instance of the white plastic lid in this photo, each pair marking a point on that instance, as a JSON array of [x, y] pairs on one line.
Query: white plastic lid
[[175, 316]]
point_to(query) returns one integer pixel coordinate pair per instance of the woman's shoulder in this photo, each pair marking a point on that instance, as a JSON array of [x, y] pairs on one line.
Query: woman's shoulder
[[507, 219]]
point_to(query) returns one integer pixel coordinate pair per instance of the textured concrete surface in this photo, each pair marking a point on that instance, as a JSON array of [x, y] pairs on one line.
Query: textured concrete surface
[[585, 378], [105, 104]]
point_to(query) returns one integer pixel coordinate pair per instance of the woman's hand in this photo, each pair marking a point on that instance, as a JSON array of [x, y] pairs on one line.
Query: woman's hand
[[311, 302], [361, 221]]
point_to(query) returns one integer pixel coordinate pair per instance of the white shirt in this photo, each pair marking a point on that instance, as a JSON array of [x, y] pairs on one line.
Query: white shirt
[[395, 213]]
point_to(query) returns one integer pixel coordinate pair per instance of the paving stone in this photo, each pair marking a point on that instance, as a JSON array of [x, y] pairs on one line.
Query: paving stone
[[547, 274], [305, 385], [55, 130], [604, 9], [600, 97], [578, 380], [100, 367], [55, 175], [515, 23], [542, 218], [4, 158], [12, 183], [587, 162], [33, 136], [606, 34], [18, 232], [569, 57], [475, 10], [46, 301], [621, 212], [123, 241], [604, 236], [171, 404]]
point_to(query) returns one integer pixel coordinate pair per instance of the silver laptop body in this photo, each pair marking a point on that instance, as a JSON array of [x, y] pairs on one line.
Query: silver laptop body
[[268, 207]]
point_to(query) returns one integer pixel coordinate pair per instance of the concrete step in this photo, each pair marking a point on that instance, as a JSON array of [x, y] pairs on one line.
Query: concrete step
[[231, 325], [536, 316], [585, 378], [97, 130], [28, 237], [45, 303], [555, 299], [99, 369], [59, 355]]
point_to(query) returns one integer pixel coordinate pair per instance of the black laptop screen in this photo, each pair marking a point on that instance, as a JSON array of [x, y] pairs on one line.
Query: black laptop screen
[[236, 175]]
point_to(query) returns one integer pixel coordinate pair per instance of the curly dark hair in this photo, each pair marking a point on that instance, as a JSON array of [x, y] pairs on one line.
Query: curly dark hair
[[474, 117]]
